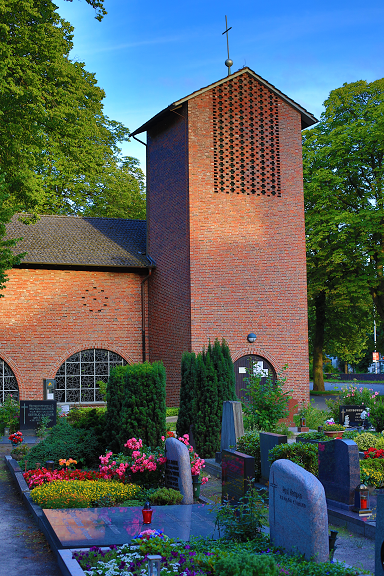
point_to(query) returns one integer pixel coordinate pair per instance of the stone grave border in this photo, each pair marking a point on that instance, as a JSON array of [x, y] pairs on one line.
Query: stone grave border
[[67, 565]]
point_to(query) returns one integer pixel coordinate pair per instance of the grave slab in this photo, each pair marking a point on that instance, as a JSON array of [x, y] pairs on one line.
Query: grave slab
[[298, 515], [339, 471], [178, 469], [237, 470], [83, 527], [268, 440]]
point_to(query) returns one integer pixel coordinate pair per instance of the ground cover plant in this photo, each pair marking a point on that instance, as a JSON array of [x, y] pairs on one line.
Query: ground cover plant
[[83, 493], [41, 476], [305, 455]]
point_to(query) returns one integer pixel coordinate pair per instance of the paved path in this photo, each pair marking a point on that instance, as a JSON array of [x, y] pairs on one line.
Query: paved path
[[23, 548]]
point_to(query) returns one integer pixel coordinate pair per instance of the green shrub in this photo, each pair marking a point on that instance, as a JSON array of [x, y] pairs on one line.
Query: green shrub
[[312, 436], [366, 440], [333, 427], [207, 421], [244, 521], [187, 393], [376, 414], [351, 396], [314, 417], [305, 455], [166, 496], [372, 472], [250, 444], [265, 402], [143, 408], [90, 419], [379, 443], [172, 411], [83, 493], [350, 434], [64, 441], [246, 564], [115, 397]]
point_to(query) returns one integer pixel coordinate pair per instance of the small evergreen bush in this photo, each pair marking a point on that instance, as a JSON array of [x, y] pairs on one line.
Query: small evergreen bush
[[115, 397], [207, 422], [250, 444], [187, 393], [366, 440], [376, 414], [305, 455], [64, 441], [166, 496]]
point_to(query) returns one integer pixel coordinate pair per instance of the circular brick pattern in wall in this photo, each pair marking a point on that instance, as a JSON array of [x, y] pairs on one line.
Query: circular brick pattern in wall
[[8, 382], [76, 379], [94, 299]]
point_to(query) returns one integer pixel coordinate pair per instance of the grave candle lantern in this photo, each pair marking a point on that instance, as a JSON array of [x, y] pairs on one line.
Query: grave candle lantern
[[154, 565], [303, 422], [147, 513], [362, 506], [49, 464]]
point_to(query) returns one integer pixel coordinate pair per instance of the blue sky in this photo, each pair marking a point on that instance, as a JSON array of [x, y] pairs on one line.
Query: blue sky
[[148, 54]]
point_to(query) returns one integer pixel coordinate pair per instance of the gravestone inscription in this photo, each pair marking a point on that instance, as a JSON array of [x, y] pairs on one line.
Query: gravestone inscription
[[237, 470], [268, 440], [353, 413], [339, 471], [32, 411], [178, 469], [298, 516]]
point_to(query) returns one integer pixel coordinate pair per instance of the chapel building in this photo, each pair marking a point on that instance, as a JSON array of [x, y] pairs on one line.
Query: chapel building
[[221, 255]]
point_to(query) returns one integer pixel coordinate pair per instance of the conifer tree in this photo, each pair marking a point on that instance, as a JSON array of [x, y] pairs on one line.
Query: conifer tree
[[187, 393], [207, 424], [115, 397]]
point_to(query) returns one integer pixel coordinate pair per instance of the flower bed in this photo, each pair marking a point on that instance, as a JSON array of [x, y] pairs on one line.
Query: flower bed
[[43, 476]]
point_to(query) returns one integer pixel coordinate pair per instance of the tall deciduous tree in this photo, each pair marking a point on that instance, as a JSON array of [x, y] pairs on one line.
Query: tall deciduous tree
[[344, 194]]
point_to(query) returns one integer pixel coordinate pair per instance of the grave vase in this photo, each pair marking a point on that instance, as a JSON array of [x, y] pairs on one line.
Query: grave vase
[[334, 433]]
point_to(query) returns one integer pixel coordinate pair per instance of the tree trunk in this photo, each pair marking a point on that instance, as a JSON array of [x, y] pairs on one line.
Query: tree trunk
[[345, 367], [318, 377]]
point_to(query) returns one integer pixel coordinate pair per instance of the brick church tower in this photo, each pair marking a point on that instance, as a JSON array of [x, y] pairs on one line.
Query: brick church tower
[[225, 227]]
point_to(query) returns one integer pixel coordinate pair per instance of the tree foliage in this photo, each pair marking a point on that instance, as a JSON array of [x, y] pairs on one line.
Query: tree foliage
[[344, 194]]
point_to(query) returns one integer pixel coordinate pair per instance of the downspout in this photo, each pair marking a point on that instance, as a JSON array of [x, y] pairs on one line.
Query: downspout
[[143, 347]]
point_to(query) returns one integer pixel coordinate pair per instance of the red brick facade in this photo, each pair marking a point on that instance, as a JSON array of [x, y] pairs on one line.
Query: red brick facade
[[48, 315]]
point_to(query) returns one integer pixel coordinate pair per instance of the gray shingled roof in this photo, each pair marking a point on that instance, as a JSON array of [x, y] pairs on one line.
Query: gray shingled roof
[[76, 241]]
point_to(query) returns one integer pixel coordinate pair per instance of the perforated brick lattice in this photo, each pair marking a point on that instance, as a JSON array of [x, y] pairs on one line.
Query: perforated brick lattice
[[246, 138]]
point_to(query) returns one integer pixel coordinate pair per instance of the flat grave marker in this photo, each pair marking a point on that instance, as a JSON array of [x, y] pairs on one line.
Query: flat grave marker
[[32, 411], [237, 470], [298, 516]]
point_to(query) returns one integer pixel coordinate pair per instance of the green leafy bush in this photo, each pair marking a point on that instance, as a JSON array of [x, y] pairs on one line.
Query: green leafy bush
[[9, 414], [314, 417], [379, 443], [246, 564], [90, 419], [172, 411], [312, 436], [250, 444], [166, 496], [115, 397], [333, 427], [351, 396], [244, 521], [265, 402], [305, 455], [64, 441], [366, 440], [372, 472], [376, 414]]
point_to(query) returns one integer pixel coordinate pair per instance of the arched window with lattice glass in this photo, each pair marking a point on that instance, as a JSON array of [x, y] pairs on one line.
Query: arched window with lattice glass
[[8, 382], [76, 379]]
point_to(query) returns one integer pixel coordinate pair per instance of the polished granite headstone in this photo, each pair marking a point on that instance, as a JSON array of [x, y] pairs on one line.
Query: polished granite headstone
[[379, 536], [232, 427], [268, 440], [354, 413], [237, 470], [178, 469], [298, 517], [32, 411], [84, 527], [339, 471]]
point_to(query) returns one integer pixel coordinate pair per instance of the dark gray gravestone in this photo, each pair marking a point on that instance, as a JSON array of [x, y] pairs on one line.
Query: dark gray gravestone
[[339, 471], [178, 469], [232, 426], [354, 415], [268, 440], [32, 411], [298, 516], [237, 470], [379, 536]]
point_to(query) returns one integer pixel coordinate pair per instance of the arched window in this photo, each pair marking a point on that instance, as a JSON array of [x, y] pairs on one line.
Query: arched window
[[76, 379], [8, 382]]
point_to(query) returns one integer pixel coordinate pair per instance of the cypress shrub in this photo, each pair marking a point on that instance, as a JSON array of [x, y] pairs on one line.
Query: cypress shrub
[[143, 410], [230, 387], [207, 424], [187, 393], [115, 397]]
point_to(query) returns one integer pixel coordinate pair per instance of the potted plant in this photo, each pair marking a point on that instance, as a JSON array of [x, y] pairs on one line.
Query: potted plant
[[333, 430]]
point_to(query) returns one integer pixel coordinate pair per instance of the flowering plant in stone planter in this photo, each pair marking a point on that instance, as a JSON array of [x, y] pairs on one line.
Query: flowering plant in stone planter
[[333, 427]]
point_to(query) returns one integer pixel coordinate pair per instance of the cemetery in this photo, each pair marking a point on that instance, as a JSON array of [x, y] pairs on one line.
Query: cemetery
[[134, 501]]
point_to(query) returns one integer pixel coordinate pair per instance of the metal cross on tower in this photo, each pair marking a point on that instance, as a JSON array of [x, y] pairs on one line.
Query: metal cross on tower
[[228, 61]]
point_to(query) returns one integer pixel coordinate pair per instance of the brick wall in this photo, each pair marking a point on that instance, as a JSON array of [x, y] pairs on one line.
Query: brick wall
[[247, 253], [168, 245], [48, 315]]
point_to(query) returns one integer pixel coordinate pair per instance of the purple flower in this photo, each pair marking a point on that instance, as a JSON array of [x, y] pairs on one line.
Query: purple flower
[[122, 565]]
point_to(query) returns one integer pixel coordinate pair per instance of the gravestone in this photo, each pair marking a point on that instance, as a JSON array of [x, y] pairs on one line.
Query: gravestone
[[298, 516], [178, 469], [32, 411], [379, 536], [354, 414], [268, 440], [339, 471], [232, 427], [237, 470]]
